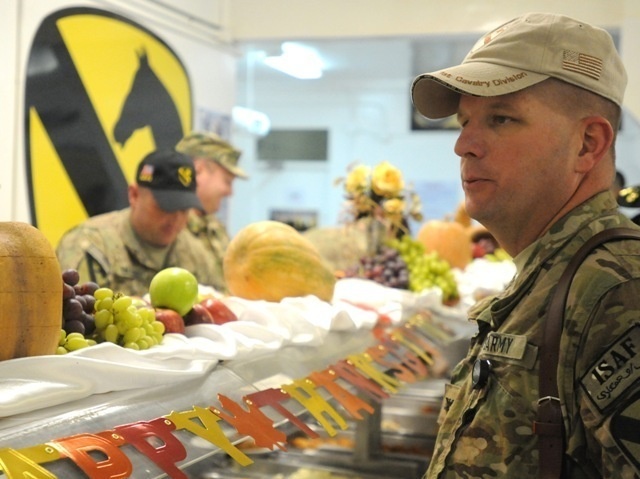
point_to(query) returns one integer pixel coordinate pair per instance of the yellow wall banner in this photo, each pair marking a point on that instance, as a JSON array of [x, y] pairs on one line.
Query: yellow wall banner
[[101, 92]]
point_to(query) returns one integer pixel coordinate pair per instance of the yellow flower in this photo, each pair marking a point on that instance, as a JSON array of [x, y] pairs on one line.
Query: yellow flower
[[394, 207], [386, 180], [357, 180]]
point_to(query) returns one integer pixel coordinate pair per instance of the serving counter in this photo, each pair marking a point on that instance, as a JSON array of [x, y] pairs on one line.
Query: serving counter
[[296, 389]]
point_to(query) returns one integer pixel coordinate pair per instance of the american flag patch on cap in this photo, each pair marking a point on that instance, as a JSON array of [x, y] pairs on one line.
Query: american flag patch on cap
[[582, 63], [146, 173]]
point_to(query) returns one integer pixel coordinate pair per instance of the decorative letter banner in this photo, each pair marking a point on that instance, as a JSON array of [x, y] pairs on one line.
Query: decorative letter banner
[[401, 356]]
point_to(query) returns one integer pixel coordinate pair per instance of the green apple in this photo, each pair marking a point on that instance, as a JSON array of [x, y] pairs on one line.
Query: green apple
[[174, 288]]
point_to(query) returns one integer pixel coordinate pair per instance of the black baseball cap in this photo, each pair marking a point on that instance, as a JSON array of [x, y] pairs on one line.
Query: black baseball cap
[[171, 177]]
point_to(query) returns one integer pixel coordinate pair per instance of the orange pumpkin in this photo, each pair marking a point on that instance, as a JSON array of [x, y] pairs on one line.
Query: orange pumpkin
[[461, 216], [30, 292], [270, 261], [449, 239]]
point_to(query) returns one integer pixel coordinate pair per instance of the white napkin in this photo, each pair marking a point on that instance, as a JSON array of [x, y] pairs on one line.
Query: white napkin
[[33, 383]]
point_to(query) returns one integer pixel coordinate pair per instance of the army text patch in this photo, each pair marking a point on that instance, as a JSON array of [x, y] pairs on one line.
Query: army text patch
[[509, 348]]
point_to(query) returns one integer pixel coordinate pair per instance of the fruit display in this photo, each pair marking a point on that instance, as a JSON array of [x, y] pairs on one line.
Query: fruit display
[[174, 288], [269, 260], [483, 243], [220, 313], [449, 239], [93, 315], [404, 264], [30, 292], [119, 321], [426, 269], [77, 304], [173, 322], [386, 267]]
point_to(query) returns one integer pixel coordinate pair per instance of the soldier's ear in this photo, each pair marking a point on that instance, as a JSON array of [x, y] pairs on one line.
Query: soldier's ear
[[133, 193], [597, 138]]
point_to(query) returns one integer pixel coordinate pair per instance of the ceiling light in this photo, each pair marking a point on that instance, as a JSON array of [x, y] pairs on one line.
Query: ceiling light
[[298, 61], [253, 121]]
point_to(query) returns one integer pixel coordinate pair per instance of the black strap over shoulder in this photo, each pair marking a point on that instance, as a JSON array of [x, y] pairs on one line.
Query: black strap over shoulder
[[549, 424]]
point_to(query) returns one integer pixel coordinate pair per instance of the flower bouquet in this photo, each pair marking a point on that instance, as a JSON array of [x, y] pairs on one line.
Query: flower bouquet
[[379, 195], [393, 258]]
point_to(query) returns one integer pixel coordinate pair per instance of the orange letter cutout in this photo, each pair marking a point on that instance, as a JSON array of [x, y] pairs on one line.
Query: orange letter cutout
[[165, 456], [409, 359], [273, 397], [349, 373], [352, 404], [252, 423], [77, 448], [379, 353]]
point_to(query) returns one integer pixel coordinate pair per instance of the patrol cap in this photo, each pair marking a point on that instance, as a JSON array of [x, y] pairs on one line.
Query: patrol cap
[[171, 177], [522, 53], [212, 147]]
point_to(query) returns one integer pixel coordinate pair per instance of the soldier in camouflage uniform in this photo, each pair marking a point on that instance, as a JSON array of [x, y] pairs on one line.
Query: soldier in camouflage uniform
[[124, 249], [216, 163], [539, 101]]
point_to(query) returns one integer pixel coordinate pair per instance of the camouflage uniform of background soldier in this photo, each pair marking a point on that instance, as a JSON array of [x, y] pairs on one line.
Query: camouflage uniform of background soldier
[[486, 423], [213, 235], [108, 250], [216, 163]]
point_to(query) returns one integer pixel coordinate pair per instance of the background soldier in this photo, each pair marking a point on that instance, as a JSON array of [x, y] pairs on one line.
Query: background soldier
[[123, 250], [216, 164]]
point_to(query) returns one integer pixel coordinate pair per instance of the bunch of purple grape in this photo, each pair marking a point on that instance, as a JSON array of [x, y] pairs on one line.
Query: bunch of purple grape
[[77, 304], [385, 267]]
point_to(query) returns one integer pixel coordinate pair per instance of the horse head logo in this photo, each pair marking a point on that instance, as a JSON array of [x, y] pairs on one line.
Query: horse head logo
[[148, 104]]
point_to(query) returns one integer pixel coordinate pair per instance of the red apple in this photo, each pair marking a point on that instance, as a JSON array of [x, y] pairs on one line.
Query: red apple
[[477, 250], [173, 322], [488, 244], [197, 315], [220, 312]]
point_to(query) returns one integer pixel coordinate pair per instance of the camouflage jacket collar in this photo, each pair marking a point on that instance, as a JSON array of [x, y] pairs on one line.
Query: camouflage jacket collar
[[142, 253], [594, 215], [196, 223], [200, 224]]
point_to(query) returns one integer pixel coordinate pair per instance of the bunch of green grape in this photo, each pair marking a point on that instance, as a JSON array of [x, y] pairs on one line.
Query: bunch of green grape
[[72, 342], [498, 255], [426, 269], [119, 321]]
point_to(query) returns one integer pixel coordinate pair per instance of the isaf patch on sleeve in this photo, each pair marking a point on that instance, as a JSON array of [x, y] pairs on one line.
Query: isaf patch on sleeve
[[625, 429], [616, 371]]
